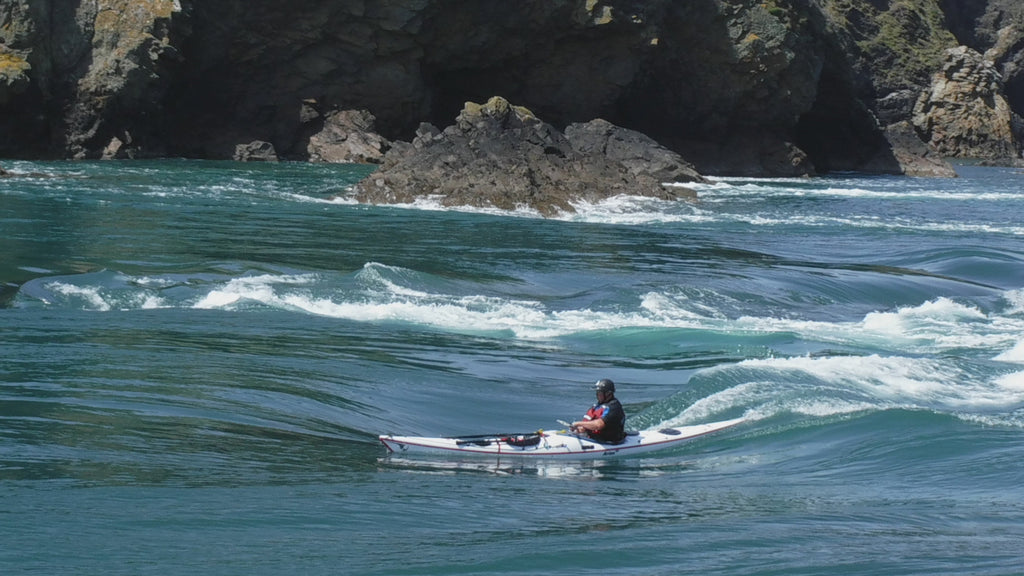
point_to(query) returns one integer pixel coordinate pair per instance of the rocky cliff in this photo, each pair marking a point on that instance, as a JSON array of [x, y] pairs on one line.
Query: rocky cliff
[[735, 86]]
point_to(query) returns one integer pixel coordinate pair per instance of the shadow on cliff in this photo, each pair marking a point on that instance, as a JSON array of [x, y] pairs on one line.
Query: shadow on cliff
[[736, 87]]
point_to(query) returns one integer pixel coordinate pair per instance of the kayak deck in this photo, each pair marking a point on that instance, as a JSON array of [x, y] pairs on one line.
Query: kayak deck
[[553, 444]]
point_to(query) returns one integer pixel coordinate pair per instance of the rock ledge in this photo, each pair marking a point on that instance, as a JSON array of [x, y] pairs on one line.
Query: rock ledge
[[500, 155]]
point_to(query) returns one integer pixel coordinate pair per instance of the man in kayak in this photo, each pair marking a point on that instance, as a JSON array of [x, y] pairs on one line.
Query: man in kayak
[[605, 421]]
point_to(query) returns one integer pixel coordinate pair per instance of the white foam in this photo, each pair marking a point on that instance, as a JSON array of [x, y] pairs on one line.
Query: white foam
[[217, 299], [387, 293], [712, 196], [942, 322], [377, 274], [150, 302], [251, 288], [933, 326], [882, 377], [151, 282], [764, 399], [91, 295], [435, 204], [1012, 382], [705, 408], [841, 385], [637, 210], [336, 199], [834, 188], [1016, 300], [901, 381], [1015, 354]]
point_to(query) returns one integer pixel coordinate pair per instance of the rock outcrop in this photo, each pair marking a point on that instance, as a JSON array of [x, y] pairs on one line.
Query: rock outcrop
[[641, 156], [903, 152], [503, 156], [964, 114], [255, 151], [994, 29], [345, 136]]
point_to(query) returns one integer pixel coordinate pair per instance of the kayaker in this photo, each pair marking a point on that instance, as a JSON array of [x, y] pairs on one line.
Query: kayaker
[[605, 422]]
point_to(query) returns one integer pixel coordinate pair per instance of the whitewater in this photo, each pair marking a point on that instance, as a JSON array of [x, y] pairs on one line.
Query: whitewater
[[197, 358]]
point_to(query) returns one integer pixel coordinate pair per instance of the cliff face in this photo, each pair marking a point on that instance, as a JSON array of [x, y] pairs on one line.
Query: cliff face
[[737, 86], [87, 72], [952, 68], [994, 29]]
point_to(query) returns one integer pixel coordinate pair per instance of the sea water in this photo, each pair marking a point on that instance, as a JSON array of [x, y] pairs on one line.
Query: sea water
[[196, 359]]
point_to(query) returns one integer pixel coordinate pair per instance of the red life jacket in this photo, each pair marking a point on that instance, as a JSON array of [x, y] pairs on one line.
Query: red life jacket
[[614, 421]]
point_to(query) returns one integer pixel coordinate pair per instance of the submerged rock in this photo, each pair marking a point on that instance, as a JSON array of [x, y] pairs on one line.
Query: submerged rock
[[500, 155]]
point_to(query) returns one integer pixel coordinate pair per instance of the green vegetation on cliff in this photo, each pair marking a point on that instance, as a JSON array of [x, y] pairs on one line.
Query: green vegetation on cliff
[[902, 41]]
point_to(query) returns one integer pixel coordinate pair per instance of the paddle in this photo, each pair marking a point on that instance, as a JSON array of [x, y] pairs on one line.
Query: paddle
[[518, 439], [527, 439], [569, 430]]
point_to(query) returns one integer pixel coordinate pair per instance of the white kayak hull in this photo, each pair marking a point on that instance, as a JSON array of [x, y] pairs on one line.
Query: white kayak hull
[[554, 444]]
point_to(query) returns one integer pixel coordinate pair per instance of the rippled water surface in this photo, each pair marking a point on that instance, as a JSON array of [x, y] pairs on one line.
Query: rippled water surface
[[196, 359]]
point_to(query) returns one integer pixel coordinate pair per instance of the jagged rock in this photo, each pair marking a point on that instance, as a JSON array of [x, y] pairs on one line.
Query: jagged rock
[[1008, 54], [125, 48], [114, 150], [17, 36], [903, 152], [256, 151], [638, 153], [964, 113], [347, 136], [503, 156], [896, 106], [995, 28], [120, 148]]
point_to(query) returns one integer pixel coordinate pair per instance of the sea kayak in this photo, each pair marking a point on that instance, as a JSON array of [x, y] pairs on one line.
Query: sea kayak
[[553, 444]]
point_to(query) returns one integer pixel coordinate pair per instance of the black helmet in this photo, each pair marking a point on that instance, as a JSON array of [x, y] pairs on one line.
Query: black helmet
[[605, 385]]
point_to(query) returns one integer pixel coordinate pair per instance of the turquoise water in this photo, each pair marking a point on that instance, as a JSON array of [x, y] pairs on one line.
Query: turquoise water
[[196, 359]]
